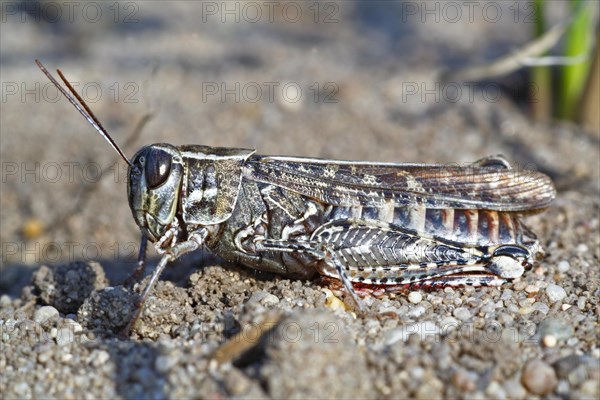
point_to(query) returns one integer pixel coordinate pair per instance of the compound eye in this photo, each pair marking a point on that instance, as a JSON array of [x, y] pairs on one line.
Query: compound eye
[[158, 166]]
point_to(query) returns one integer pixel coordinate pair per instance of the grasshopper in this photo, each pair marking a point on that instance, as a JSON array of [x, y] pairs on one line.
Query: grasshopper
[[389, 225]]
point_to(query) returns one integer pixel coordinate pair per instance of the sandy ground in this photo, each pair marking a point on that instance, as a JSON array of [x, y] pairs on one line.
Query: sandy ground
[[346, 81]]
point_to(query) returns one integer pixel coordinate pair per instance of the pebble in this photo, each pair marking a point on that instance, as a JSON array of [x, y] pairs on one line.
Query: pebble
[[416, 312], [5, 300], [415, 297], [22, 389], [64, 336], [532, 289], [563, 266], [269, 300], [555, 293], [421, 329], [44, 314], [487, 308], [541, 307], [430, 389], [32, 228], [582, 248], [589, 389], [520, 285], [495, 391], [526, 310], [462, 313], [563, 387], [165, 363], [514, 389], [464, 380], [448, 324], [549, 341], [581, 302], [332, 301], [44, 357], [539, 378], [74, 326], [99, 357], [558, 328], [577, 375], [507, 294]]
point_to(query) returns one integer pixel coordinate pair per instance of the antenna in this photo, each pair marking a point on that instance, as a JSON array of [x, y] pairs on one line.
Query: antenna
[[83, 109]]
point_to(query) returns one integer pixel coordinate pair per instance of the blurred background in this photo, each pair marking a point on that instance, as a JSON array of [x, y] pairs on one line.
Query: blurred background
[[400, 81]]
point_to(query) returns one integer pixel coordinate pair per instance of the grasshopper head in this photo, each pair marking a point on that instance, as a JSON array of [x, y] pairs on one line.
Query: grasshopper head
[[153, 188]]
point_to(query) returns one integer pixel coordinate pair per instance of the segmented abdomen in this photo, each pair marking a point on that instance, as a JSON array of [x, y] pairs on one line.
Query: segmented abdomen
[[480, 227]]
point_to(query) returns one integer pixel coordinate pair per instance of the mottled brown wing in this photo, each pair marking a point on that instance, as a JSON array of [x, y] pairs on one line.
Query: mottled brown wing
[[347, 183]]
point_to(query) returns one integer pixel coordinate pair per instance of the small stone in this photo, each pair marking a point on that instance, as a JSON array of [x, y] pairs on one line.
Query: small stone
[[589, 389], [165, 363], [563, 387], [565, 307], [539, 378], [495, 391], [415, 297], [541, 307], [74, 326], [22, 389], [507, 294], [99, 357], [421, 329], [416, 312], [526, 310], [582, 248], [332, 301], [563, 266], [32, 228], [549, 341], [448, 325], [44, 314], [5, 300], [520, 285], [195, 277], [555, 293], [558, 328], [430, 389], [462, 313], [44, 357], [464, 381], [572, 341], [64, 336], [581, 302], [577, 376], [269, 300], [532, 289], [513, 308], [514, 389]]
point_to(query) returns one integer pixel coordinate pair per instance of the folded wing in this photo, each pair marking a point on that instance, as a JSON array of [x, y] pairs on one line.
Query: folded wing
[[347, 183]]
